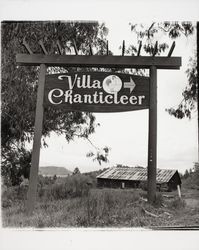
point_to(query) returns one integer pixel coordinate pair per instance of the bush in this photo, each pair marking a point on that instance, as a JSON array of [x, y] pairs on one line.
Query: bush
[[13, 194], [176, 203], [70, 187], [51, 189], [144, 185], [17, 163]]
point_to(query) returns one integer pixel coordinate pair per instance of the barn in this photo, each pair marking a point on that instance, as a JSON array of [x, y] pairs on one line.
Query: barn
[[136, 177]]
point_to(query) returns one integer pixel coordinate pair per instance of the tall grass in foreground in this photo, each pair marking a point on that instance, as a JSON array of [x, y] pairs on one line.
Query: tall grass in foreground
[[98, 208], [75, 202]]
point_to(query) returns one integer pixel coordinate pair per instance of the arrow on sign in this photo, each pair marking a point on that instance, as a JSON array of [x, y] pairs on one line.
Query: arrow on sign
[[130, 85]]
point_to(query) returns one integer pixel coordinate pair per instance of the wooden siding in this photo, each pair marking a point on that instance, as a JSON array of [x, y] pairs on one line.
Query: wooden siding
[[168, 180]]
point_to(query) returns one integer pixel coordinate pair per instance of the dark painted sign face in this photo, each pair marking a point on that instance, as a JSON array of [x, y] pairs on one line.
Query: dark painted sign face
[[97, 92]]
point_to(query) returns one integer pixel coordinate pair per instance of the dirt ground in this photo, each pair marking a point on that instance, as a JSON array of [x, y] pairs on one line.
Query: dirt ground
[[192, 203]]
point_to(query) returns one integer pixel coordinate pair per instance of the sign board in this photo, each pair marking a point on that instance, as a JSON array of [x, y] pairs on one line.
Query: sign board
[[97, 91]]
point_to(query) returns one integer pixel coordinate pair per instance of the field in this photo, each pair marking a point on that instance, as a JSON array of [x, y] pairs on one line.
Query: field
[[61, 206]]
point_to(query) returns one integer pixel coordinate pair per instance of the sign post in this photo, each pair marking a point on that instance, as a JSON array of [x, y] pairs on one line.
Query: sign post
[[96, 92], [152, 139], [32, 190]]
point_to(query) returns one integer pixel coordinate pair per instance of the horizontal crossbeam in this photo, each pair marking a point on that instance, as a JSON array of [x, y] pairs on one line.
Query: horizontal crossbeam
[[99, 61]]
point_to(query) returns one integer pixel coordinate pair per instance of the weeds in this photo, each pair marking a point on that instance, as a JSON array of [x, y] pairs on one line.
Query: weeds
[[158, 200], [70, 187], [176, 203], [71, 203]]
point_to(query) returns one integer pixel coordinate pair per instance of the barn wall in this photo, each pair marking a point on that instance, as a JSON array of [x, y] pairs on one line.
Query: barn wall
[[174, 181], [116, 183], [111, 183]]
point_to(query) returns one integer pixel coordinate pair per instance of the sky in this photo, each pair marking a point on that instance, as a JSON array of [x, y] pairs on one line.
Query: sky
[[127, 133]]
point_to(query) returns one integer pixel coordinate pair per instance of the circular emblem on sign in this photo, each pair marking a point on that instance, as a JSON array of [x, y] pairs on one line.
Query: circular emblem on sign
[[112, 84]]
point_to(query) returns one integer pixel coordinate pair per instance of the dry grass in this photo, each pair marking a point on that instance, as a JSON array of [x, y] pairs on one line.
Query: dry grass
[[99, 208]]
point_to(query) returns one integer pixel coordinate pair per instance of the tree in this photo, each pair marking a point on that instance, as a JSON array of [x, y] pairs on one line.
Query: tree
[[170, 30], [76, 171], [196, 171], [15, 165], [186, 174], [19, 84], [101, 155], [192, 177], [189, 101]]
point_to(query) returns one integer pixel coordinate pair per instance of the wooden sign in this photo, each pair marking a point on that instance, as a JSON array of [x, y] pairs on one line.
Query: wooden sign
[[97, 92]]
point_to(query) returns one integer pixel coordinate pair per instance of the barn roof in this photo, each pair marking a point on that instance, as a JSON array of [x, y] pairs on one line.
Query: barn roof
[[136, 174]]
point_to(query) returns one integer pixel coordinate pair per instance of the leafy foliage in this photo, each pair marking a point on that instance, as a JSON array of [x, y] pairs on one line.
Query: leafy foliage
[[188, 103], [15, 164], [191, 177], [170, 30], [101, 155], [76, 171], [19, 84]]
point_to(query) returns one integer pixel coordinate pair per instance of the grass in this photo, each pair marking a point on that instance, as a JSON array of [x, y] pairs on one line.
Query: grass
[[96, 208]]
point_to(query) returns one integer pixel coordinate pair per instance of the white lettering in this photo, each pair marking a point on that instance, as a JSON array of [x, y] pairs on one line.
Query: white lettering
[[68, 96], [87, 99], [140, 97], [133, 99], [81, 82], [97, 84], [115, 99], [108, 97], [124, 99], [61, 77], [84, 80], [95, 95], [58, 96], [77, 98], [89, 81], [52, 94], [71, 84], [78, 82], [101, 97]]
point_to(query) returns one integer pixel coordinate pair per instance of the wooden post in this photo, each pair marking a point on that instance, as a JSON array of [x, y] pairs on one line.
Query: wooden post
[[32, 189], [152, 141], [179, 191], [197, 88]]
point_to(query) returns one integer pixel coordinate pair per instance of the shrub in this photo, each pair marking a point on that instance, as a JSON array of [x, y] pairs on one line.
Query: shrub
[[13, 194], [70, 187], [144, 185], [176, 203], [44, 180]]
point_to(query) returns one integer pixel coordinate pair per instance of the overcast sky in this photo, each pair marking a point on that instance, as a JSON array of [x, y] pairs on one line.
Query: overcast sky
[[127, 133]]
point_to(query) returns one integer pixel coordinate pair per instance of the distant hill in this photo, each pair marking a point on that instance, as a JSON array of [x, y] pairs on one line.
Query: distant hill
[[52, 171]]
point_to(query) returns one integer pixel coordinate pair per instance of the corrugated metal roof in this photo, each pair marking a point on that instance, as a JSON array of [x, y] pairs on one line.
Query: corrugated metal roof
[[136, 174]]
